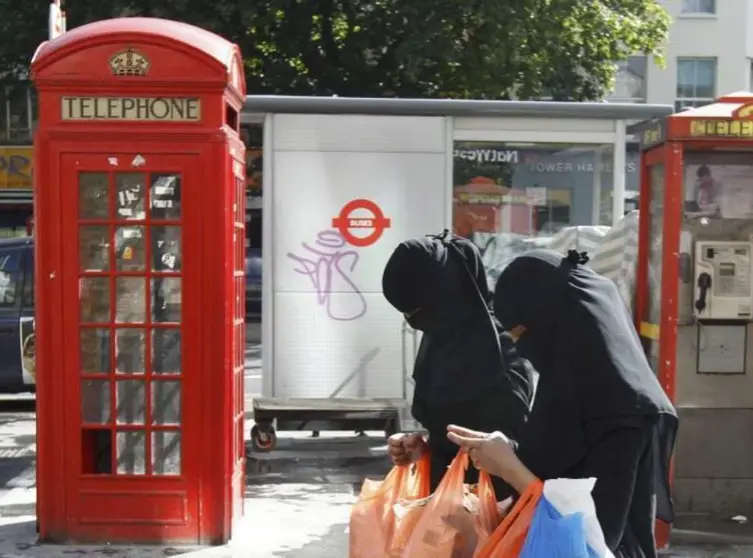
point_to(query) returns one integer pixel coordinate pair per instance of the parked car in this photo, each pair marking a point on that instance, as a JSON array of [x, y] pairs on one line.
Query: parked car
[[253, 285], [17, 339]]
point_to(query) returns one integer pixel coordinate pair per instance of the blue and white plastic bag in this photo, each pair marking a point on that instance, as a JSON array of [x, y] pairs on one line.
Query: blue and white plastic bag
[[565, 524]]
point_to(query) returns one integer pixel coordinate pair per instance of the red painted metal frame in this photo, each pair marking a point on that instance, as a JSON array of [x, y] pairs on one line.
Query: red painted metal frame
[[184, 62], [678, 139], [663, 154], [648, 159]]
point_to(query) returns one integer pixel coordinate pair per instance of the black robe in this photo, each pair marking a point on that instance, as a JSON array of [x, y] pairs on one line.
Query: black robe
[[599, 410], [466, 371]]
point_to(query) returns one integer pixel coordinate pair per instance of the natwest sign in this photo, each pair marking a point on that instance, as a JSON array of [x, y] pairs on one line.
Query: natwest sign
[[484, 155]]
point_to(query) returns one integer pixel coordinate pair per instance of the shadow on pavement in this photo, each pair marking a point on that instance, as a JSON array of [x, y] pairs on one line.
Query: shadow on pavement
[[346, 460]]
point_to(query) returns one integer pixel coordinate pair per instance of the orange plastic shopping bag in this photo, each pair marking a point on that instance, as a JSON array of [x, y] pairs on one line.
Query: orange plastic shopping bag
[[372, 520], [446, 528], [508, 539], [487, 518]]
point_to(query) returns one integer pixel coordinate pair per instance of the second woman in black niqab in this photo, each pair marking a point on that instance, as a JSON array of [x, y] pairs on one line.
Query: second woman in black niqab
[[599, 410], [466, 369]]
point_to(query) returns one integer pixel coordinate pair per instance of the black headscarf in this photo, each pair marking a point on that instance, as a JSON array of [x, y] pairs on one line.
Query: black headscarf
[[440, 284], [594, 375]]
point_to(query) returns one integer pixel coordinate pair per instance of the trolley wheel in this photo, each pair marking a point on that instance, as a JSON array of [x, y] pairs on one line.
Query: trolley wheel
[[263, 437]]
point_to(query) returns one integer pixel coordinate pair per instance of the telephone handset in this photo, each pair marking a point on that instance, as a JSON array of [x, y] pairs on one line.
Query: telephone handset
[[723, 288], [704, 283]]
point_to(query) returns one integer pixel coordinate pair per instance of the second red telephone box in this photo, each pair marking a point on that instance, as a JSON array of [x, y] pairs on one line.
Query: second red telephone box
[[139, 218]]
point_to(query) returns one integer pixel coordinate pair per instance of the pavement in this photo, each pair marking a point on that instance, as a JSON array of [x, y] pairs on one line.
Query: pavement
[[309, 483], [297, 504]]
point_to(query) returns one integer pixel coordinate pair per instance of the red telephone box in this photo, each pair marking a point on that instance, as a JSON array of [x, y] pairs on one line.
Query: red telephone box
[[693, 287], [139, 217]]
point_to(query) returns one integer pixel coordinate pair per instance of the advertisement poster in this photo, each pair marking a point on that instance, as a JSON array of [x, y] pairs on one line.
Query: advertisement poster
[[16, 167], [720, 191], [28, 350]]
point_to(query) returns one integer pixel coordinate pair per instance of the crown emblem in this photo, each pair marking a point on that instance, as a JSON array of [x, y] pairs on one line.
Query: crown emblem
[[129, 62]]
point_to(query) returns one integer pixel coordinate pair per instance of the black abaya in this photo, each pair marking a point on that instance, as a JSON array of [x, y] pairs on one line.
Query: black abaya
[[466, 371], [599, 409]]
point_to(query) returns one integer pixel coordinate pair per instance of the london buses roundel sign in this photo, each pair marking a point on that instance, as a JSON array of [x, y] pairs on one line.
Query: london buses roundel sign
[[369, 216]]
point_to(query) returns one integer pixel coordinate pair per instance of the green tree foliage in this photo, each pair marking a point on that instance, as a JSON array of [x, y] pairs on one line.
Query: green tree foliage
[[492, 49]]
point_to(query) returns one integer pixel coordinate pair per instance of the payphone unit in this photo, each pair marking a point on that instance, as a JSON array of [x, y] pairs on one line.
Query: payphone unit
[[722, 282]]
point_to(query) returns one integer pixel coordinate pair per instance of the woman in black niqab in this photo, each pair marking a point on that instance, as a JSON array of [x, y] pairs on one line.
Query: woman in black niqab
[[599, 410], [465, 369]]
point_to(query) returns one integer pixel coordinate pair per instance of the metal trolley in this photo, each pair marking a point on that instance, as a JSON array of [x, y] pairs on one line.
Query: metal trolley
[[339, 413]]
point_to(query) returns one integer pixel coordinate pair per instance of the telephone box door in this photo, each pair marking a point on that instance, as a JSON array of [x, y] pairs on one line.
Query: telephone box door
[[650, 307], [131, 362], [656, 278]]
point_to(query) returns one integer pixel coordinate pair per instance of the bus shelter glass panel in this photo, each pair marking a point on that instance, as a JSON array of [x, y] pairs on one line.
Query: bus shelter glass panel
[[253, 138], [130, 262], [511, 197], [655, 246]]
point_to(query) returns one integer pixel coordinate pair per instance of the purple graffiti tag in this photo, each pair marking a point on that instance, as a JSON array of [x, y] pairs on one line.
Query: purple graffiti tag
[[324, 265]]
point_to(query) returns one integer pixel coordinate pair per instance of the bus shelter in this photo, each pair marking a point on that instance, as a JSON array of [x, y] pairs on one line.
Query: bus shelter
[[346, 179]]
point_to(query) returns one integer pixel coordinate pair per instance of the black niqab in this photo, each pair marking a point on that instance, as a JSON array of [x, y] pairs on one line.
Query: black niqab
[[594, 375], [439, 283]]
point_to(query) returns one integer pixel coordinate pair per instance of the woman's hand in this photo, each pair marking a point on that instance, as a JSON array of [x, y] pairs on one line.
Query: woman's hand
[[405, 449], [493, 453]]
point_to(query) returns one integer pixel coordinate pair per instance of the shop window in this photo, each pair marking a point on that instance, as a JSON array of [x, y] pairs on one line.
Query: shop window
[[10, 272], [509, 198]]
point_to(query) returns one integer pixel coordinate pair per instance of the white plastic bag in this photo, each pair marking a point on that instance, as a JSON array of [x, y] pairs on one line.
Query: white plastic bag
[[573, 496]]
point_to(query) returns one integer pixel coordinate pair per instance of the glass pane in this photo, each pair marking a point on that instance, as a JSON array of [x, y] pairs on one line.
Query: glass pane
[[95, 351], [93, 202], [131, 453], [94, 298], [94, 248], [685, 78], [630, 79], [130, 194], [130, 300], [655, 241], [165, 196], [165, 402], [95, 401], [166, 299], [166, 354], [166, 453], [96, 452], [509, 197], [131, 401], [130, 248], [129, 350], [705, 79], [10, 273], [166, 248]]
